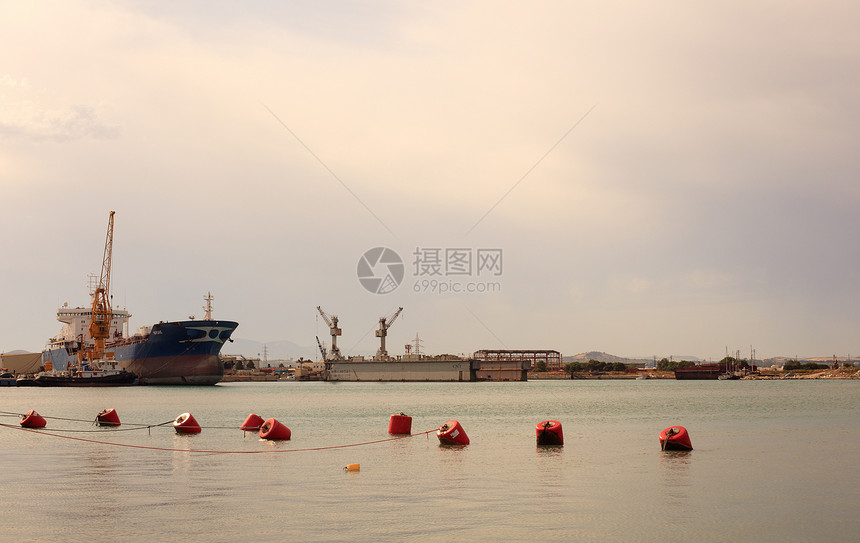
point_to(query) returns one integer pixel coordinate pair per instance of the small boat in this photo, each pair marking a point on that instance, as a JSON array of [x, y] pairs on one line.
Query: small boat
[[7, 379], [95, 374], [675, 438]]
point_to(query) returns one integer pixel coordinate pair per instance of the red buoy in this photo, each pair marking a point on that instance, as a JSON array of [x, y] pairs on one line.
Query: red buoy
[[549, 432], [400, 424], [451, 433], [186, 424], [272, 429], [31, 419], [108, 417], [675, 438], [252, 423]]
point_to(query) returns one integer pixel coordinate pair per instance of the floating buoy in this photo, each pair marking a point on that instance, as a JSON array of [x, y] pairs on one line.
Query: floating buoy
[[31, 419], [400, 424], [108, 417], [549, 432], [451, 433], [675, 438], [353, 467], [252, 423], [272, 429], [186, 424]]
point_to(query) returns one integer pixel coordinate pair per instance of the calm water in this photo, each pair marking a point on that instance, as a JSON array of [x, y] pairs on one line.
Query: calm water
[[773, 461]]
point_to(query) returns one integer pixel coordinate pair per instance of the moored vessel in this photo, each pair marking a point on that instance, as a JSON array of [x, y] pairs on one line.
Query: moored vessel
[[86, 377], [166, 353]]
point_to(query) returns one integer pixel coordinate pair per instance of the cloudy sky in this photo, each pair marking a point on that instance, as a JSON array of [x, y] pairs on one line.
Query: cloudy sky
[[675, 178]]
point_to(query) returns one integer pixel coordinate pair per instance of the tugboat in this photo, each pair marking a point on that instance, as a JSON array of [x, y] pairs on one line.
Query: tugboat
[[89, 374]]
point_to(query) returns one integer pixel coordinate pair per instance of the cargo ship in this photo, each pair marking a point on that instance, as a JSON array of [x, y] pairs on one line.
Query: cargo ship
[[166, 353]]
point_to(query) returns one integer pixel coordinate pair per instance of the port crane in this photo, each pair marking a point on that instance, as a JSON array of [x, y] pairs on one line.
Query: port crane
[[322, 348], [384, 324], [331, 321], [102, 313]]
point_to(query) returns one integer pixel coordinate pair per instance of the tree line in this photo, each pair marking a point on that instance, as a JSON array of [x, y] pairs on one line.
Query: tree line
[[595, 365]]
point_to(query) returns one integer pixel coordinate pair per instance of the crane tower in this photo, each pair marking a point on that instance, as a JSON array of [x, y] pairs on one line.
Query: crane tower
[[334, 354], [384, 324], [102, 314]]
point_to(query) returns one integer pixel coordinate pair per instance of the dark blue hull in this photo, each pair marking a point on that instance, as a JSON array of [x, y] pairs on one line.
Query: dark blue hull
[[173, 353]]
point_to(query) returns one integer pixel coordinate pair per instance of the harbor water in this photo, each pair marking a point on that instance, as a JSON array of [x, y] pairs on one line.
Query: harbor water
[[772, 461]]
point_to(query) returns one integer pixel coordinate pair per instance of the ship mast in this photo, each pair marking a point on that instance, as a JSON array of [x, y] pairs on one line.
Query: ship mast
[[208, 307], [102, 314]]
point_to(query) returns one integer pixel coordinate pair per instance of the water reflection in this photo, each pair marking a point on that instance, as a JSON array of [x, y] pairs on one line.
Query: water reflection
[[675, 477], [549, 450], [550, 473]]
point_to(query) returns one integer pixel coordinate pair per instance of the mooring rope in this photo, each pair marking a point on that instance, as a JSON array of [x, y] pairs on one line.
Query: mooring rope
[[67, 419], [113, 428], [139, 425], [168, 449]]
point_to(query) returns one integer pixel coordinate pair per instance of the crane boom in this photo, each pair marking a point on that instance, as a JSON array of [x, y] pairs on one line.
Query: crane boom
[[324, 316], [322, 349], [334, 354], [102, 313], [394, 317]]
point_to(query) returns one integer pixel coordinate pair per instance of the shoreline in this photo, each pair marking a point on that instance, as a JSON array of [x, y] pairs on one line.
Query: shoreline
[[841, 373], [831, 374]]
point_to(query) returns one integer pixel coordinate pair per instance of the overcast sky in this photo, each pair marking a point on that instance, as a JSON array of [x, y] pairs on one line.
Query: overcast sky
[[671, 178]]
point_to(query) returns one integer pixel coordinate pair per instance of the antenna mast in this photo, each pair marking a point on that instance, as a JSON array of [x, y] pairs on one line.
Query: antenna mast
[[208, 307]]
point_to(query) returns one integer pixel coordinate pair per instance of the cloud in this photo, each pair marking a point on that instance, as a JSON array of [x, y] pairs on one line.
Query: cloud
[[28, 113], [718, 171]]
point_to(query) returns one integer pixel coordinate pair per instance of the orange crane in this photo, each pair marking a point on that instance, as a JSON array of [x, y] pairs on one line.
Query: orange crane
[[102, 314]]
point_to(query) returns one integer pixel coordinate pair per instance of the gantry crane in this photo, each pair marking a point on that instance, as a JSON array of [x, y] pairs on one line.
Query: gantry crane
[[382, 354], [334, 354], [102, 314]]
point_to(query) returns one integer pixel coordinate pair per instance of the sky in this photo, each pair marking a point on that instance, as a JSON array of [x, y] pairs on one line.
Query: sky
[[670, 179]]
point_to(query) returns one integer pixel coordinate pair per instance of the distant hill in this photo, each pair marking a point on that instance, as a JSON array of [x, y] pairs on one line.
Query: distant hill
[[606, 357], [18, 351], [597, 355]]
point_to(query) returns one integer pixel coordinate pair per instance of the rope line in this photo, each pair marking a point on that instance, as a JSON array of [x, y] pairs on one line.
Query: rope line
[[48, 417], [111, 428], [140, 426], [168, 449]]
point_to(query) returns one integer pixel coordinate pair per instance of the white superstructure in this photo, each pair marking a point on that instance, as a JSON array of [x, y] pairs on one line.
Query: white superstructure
[[76, 324]]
